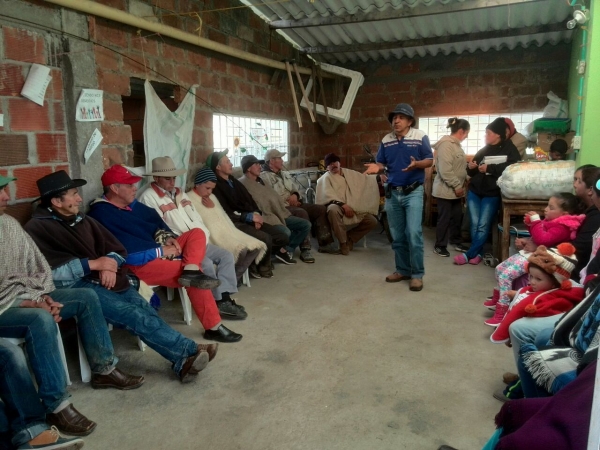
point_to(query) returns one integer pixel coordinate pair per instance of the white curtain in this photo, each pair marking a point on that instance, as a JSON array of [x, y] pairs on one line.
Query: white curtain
[[169, 133]]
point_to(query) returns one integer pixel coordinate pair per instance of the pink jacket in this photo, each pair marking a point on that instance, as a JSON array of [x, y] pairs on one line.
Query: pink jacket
[[553, 232]]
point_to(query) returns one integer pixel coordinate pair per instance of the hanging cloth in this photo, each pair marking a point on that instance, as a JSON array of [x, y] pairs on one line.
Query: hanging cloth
[[169, 133]]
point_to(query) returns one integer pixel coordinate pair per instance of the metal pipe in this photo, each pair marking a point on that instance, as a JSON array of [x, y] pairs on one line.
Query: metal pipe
[[116, 15], [581, 80]]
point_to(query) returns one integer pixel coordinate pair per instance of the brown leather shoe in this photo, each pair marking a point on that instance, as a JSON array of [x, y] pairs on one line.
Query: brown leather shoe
[[70, 421], [211, 349], [416, 284], [509, 377], [396, 277], [193, 365], [345, 249], [118, 380]]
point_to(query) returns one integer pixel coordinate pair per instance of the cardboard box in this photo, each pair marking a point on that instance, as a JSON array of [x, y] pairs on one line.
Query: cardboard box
[[544, 140]]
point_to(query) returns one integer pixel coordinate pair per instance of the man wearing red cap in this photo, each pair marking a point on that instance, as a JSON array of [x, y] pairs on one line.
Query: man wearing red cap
[[154, 253]]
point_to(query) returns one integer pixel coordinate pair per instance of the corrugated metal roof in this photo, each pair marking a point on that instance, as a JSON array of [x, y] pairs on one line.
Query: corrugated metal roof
[[527, 15]]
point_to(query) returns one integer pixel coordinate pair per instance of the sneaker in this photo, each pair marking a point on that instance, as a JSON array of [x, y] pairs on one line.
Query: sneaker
[[476, 260], [442, 251], [501, 310], [285, 258], [461, 248], [52, 440], [306, 257], [491, 301], [513, 391], [254, 273], [230, 311], [460, 259]]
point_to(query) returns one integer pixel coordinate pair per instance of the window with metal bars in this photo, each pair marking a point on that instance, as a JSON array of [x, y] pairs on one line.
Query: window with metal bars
[[249, 136], [435, 127]]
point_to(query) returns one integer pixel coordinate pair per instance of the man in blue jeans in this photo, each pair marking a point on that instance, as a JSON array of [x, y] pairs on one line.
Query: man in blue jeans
[[22, 417], [83, 254], [406, 153], [30, 307]]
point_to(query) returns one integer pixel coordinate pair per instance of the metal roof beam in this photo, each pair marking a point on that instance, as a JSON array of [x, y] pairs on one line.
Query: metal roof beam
[[438, 40], [390, 14]]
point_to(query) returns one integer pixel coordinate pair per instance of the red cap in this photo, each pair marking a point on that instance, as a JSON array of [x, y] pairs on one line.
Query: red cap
[[118, 174]]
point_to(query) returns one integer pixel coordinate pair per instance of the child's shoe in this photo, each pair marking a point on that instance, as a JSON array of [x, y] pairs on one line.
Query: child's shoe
[[501, 310], [460, 259], [491, 302], [476, 260]]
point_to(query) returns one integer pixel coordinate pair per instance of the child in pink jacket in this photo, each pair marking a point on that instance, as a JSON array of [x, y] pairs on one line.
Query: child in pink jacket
[[560, 224]]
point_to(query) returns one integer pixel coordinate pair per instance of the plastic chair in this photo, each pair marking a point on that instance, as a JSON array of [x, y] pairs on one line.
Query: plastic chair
[[140, 343], [246, 278], [185, 302], [84, 366]]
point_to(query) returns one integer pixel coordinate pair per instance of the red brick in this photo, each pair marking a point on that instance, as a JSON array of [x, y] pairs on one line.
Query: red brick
[[236, 70], [398, 86], [217, 36], [429, 96], [187, 77], [56, 85], [114, 83], [28, 116], [165, 69], [218, 100], [58, 116], [51, 148], [11, 79], [165, 4], [23, 45], [108, 33], [523, 104], [113, 111], [218, 65], [106, 59], [134, 65], [147, 46], [456, 95], [198, 59], [174, 53], [428, 83], [203, 119], [412, 67], [453, 82], [236, 43], [26, 178], [198, 137], [15, 150], [210, 81], [112, 156], [484, 80], [116, 134], [64, 167], [260, 91]]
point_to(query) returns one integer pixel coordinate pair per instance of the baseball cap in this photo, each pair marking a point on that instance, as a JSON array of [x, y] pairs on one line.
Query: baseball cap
[[249, 160], [118, 174], [273, 153]]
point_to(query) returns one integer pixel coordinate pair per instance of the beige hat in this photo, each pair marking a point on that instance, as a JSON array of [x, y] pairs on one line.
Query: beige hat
[[273, 153], [163, 166]]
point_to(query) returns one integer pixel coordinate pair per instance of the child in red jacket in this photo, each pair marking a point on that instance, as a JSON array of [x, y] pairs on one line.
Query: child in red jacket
[[550, 289], [560, 224]]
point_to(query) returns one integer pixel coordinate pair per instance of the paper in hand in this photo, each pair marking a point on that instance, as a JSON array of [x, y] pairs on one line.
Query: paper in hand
[[36, 84], [500, 159], [93, 143]]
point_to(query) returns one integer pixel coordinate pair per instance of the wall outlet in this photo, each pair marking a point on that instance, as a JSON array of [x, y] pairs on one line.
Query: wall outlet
[[576, 142]]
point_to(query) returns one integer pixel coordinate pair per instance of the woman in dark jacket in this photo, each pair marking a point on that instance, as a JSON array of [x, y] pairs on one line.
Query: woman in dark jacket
[[483, 199]]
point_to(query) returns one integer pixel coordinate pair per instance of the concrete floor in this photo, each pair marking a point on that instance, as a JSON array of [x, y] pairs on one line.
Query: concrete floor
[[332, 358]]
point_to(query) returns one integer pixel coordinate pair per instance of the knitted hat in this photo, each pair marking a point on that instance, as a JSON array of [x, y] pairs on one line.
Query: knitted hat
[[204, 175], [330, 158], [511, 127], [499, 127], [213, 159], [558, 262]]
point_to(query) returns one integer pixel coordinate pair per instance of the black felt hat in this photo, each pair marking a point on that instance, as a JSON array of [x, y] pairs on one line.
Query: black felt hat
[[57, 182]]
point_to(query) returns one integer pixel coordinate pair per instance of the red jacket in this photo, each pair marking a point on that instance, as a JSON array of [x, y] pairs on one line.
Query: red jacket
[[539, 304], [553, 232]]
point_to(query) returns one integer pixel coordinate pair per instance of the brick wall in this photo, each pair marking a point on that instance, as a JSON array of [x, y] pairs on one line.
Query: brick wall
[[505, 81], [33, 138]]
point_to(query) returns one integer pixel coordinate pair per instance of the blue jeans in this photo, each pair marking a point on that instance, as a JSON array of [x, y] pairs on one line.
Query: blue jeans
[[22, 407], [526, 330], [128, 310], [38, 329], [482, 211], [528, 384], [405, 216], [298, 229]]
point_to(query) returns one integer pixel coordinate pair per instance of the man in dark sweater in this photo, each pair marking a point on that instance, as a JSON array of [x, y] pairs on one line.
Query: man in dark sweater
[[244, 212], [174, 262], [83, 254]]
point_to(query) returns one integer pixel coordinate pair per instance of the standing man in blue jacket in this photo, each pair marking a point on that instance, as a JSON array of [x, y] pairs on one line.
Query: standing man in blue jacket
[[405, 153]]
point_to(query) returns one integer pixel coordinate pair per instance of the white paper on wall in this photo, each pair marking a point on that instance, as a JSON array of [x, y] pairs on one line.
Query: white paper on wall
[[90, 106], [36, 84], [1, 120], [92, 145]]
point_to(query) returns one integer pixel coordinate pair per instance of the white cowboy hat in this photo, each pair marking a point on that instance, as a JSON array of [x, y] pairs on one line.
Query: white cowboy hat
[[163, 166]]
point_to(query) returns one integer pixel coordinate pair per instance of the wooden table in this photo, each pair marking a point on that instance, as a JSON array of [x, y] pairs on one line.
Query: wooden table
[[512, 207]]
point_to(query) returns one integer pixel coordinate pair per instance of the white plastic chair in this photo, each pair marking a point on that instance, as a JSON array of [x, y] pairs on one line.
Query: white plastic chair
[[185, 302], [140, 343], [84, 366], [246, 278]]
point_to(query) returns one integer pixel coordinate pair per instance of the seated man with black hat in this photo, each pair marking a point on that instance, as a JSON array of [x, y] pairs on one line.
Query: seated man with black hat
[[244, 212], [176, 209], [287, 188], [154, 253], [83, 254], [351, 199], [274, 211], [30, 307]]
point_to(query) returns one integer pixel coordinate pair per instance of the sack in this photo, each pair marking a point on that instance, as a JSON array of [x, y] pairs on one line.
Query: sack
[[537, 180]]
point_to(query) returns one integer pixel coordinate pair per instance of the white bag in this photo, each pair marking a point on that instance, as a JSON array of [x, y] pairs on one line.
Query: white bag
[[556, 107], [169, 133], [537, 180]]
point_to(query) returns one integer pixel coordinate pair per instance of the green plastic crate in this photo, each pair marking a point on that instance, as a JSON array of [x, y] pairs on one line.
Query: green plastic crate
[[551, 125]]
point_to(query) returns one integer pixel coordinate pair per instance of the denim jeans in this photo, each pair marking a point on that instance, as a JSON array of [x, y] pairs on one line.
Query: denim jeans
[[526, 330], [38, 329], [405, 216], [22, 411], [528, 384], [128, 310], [298, 230], [482, 211]]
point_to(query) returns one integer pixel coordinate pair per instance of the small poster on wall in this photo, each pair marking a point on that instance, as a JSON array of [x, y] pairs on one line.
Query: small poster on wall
[[93, 143], [36, 84], [89, 106]]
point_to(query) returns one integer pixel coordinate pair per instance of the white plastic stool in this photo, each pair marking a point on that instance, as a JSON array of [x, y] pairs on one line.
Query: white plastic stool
[[84, 366], [185, 302], [246, 278]]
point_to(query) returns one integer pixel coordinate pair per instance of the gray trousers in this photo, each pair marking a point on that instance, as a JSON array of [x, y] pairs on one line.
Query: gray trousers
[[224, 271]]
